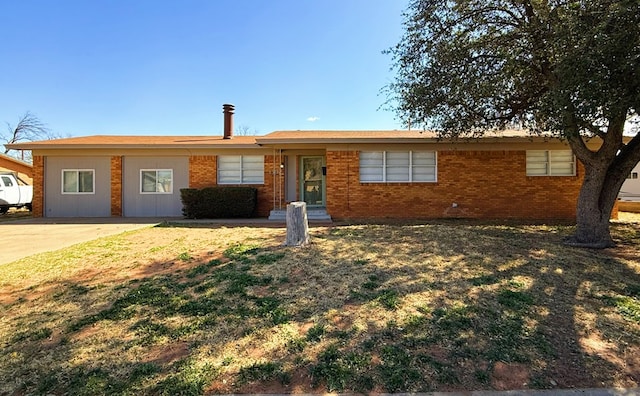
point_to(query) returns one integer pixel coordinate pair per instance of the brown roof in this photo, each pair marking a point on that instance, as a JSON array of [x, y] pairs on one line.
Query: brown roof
[[274, 138], [399, 136], [15, 165], [114, 141], [8, 158]]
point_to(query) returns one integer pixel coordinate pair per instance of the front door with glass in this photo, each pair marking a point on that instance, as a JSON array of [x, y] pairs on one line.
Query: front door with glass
[[312, 189]]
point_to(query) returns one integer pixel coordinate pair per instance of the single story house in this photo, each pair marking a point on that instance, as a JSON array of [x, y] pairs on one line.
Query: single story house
[[23, 169], [341, 174]]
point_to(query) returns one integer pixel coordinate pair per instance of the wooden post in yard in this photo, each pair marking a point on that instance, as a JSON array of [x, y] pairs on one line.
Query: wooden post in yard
[[297, 224]]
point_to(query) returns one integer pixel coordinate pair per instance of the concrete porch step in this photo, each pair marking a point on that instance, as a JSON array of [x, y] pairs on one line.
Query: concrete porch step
[[312, 215]]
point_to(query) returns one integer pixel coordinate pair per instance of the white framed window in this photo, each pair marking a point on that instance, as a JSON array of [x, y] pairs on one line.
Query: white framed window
[[156, 181], [78, 181], [398, 166], [240, 169], [551, 163], [633, 175]]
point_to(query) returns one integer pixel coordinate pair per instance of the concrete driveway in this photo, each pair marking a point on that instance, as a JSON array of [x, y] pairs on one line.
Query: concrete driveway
[[23, 238]]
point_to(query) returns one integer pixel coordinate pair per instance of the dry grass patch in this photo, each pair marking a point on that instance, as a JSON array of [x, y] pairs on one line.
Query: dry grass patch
[[365, 308]]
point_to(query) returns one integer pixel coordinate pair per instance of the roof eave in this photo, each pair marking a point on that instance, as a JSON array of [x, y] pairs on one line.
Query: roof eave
[[15, 160], [492, 139], [26, 146]]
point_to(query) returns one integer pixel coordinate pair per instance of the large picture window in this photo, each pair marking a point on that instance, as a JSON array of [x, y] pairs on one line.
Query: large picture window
[[551, 163], [156, 181], [398, 166], [78, 181], [240, 169]]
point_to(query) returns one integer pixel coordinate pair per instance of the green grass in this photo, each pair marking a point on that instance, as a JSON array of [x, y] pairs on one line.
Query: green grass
[[316, 333], [262, 372], [340, 370], [190, 378], [365, 308], [628, 307], [184, 256]]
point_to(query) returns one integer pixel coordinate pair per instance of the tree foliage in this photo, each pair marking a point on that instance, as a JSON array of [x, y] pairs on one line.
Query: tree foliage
[[468, 66], [570, 68]]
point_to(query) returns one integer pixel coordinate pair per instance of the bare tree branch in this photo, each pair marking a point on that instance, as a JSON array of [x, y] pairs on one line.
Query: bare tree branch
[[29, 128], [245, 130]]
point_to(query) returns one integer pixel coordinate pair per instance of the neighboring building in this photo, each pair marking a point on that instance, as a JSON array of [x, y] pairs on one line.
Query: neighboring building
[[630, 190], [348, 174], [22, 169]]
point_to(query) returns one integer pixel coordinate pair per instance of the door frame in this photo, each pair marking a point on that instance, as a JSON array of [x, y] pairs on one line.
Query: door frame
[[323, 179]]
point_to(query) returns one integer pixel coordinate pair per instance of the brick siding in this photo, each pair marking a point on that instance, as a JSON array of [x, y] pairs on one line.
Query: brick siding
[[37, 201], [203, 173], [482, 184], [116, 186]]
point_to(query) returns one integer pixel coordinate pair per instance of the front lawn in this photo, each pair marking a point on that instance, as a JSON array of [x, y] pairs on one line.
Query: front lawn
[[197, 309]]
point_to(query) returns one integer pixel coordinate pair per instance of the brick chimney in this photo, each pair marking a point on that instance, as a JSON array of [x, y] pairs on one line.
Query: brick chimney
[[227, 110]]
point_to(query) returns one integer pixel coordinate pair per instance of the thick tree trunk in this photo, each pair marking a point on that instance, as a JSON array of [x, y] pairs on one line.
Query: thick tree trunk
[[605, 171], [595, 203], [297, 224]]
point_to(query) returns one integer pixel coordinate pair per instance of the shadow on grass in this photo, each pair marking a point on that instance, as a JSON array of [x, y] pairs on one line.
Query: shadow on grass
[[369, 308]]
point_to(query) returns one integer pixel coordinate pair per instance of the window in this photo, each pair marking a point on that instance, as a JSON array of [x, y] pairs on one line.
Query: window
[[156, 181], [78, 181], [397, 166], [7, 181], [633, 175], [551, 163], [240, 169]]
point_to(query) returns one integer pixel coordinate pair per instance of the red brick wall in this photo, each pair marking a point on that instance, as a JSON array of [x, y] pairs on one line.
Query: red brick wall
[[116, 186], [483, 184], [203, 173], [38, 186]]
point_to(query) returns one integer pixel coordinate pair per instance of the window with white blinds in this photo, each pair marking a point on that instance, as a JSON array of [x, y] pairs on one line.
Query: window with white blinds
[[240, 169], [551, 163], [398, 166]]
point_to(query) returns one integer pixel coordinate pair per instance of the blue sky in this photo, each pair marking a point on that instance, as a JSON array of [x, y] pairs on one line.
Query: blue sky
[[144, 67]]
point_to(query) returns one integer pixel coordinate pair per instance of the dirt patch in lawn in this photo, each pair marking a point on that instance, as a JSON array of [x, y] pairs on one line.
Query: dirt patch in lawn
[[365, 308]]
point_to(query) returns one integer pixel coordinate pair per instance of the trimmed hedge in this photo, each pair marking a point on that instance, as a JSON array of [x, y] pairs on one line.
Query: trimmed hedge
[[218, 202]]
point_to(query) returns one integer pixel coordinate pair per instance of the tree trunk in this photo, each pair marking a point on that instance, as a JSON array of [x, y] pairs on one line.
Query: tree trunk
[[595, 203], [297, 224], [605, 171]]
